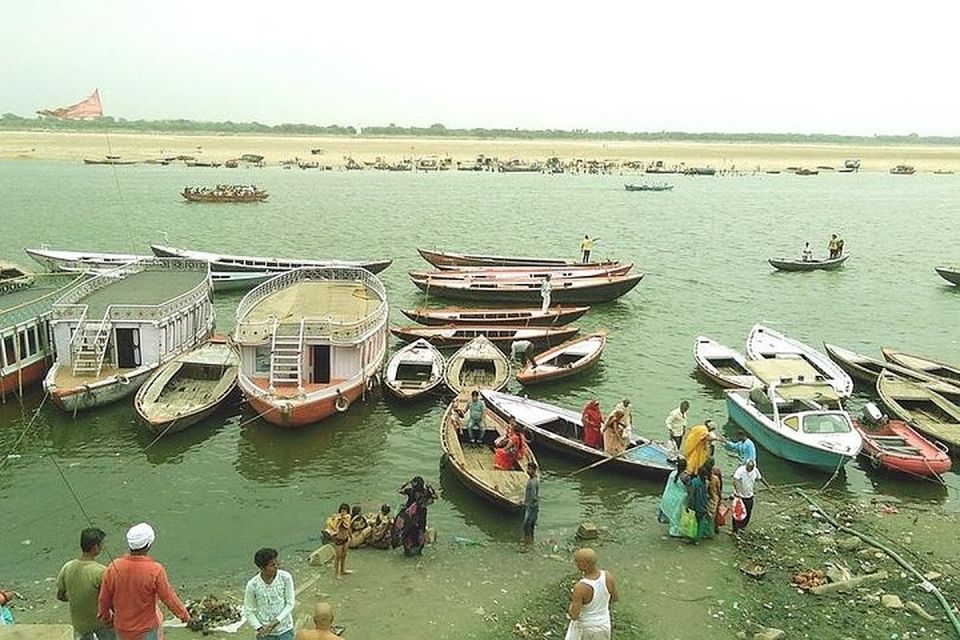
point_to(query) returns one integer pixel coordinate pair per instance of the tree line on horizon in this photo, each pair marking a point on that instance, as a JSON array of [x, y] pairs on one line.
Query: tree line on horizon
[[13, 122]]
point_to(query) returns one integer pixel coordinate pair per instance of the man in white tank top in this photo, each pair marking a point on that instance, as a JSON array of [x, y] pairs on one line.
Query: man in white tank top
[[590, 599]]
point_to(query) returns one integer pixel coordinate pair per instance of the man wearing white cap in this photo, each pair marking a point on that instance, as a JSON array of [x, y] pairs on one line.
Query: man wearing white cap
[[131, 587]]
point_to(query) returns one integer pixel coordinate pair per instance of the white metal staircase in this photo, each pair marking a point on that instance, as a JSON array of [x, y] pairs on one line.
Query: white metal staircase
[[90, 347], [286, 355]]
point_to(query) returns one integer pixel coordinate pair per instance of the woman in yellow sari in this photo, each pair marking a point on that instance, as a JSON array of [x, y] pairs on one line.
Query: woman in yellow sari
[[698, 445]]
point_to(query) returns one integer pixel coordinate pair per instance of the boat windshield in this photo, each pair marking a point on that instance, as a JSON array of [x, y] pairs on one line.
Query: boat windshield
[[825, 423]]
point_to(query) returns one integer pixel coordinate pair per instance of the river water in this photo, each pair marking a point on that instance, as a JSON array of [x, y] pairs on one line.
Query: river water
[[220, 490]]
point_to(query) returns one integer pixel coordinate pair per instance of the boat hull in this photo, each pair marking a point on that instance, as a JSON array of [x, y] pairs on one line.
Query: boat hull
[[292, 412], [443, 258], [549, 373], [17, 381], [786, 264], [96, 393], [607, 291], [780, 446], [950, 275], [532, 317], [539, 338]]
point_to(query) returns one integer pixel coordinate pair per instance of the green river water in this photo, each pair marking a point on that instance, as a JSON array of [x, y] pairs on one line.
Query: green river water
[[219, 491]]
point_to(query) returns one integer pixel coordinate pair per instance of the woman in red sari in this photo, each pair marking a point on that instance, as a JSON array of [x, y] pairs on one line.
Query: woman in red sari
[[510, 448], [592, 420]]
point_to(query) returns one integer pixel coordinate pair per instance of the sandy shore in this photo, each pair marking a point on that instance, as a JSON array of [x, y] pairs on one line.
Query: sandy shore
[[76, 146]]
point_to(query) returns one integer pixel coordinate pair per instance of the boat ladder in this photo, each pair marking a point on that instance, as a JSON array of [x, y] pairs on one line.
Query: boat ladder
[[286, 355], [90, 348]]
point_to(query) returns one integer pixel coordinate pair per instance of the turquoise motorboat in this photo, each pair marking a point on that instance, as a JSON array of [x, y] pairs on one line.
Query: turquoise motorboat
[[794, 415]]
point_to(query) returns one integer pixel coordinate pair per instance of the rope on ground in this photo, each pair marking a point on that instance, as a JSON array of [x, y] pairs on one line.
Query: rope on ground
[[26, 430], [836, 472], [924, 583]]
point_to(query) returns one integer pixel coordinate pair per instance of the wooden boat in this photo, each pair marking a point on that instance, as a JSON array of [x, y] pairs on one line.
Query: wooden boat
[[648, 187], [112, 331], [112, 160], [561, 431], [233, 195], [723, 365], [606, 265], [793, 264], [448, 258], [312, 342], [794, 416], [699, 171], [569, 291], [500, 335], [25, 347], [479, 364], [867, 369], [473, 464], [525, 273], [189, 388], [940, 370], [765, 343], [414, 371], [892, 444], [528, 317], [13, 277], [226, 262], [927, 411], [202, 163], [64, 260], [565, 359], [949, 274], [903, 170]]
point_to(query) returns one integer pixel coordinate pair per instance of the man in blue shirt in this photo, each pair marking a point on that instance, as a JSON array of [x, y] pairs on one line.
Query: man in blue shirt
[[743, 447], [475, 410]]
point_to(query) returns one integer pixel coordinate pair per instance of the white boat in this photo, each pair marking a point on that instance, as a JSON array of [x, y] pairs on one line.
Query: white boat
[[764, 343], [479, 364], [565, 359], [113, 330], [189, 388], [312, 341], [227, 262], [81, 261], [415, 370], [725, 366], [795, 416]]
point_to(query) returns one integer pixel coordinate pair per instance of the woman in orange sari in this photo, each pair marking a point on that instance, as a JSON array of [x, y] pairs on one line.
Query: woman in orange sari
[[698, 445], [510, 448], [592, 420]]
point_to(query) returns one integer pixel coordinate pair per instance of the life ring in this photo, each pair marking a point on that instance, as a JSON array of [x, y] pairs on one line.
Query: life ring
[[342, 403]]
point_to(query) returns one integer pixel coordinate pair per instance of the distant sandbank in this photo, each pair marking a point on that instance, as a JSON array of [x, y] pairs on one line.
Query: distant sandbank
[[334, 150]]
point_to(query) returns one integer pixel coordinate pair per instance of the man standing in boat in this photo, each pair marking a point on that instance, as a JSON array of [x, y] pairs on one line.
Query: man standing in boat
[[586, 246], [475, 410], [545, 293], [677, 424], [807, 253], [833, 246]]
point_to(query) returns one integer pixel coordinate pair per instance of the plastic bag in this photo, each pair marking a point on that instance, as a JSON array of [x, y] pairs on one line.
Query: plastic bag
[[722, 512], [688, 524], [739, 509], [6, 616]]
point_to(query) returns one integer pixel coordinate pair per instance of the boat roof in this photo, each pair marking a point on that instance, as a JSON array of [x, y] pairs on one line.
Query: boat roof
[[149, 287], [336, 300], [26, 303], [819, 391], [783, 370]]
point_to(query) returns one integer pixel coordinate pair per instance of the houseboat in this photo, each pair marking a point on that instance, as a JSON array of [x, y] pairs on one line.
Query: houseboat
[[25, 348], [113, 330], [312, 342]]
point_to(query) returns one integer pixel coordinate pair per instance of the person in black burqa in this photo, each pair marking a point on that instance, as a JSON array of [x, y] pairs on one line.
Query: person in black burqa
[[410, 525]]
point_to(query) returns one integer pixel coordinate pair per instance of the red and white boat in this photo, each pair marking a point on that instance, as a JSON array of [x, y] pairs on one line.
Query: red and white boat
[[312, 342], [525, 273], [893, 444]]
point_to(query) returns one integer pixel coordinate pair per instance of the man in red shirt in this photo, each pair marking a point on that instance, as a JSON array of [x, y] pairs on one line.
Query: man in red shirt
[[131, 586]]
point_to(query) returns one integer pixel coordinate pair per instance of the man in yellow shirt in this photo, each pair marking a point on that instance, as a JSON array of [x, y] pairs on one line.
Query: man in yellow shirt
[[586, 246]]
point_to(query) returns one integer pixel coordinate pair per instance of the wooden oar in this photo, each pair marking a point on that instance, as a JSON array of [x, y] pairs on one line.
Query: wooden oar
[[605, 460]]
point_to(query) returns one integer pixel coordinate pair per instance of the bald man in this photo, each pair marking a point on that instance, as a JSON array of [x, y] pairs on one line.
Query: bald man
[[323, 621], [590, 599]]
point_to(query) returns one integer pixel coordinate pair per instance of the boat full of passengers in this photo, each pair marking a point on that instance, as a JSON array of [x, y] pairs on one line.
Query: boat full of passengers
[[312, 342], [113, 330], [225, 193]]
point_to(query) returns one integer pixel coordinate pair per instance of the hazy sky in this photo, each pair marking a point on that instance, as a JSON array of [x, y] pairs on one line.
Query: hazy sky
[[809, 66]]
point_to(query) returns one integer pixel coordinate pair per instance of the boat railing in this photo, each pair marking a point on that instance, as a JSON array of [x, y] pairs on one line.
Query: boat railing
[[75, 338], [335, 330], [71, 307]]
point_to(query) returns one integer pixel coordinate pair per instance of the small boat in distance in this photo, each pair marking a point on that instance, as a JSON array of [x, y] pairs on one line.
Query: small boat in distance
[[794, 264], [225, 193], [950, 274], [448, 258], [561, 430], [189, 388], [479, 364], [564, 360], [500, 335], [903, 170], [414, 371], [648, 187], [112, 160], [227, 262], [529, 317], [764, 343], [892, 444], [723, 365]]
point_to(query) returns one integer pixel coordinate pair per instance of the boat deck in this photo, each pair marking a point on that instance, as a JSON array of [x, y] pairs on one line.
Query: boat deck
[[340, 301], [66, 380], [291, 391], [146, 288], [29, 302]]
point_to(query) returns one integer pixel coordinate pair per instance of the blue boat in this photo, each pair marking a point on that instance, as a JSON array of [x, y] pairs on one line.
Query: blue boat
[[561, 430], [799, 421]]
